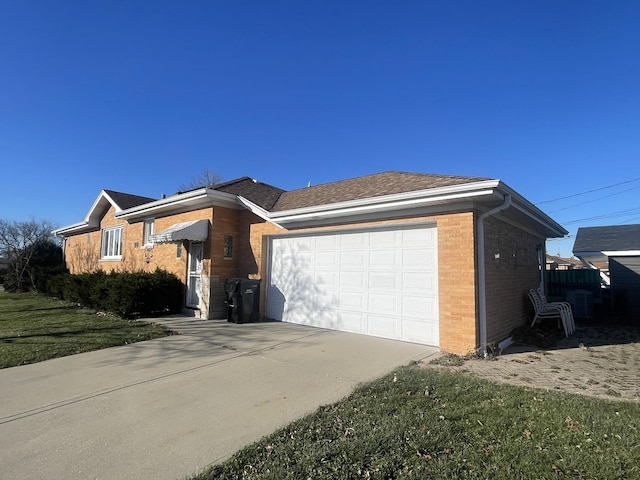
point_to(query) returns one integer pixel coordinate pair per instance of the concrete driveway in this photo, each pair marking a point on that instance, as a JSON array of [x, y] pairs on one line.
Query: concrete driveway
[[166, 408]]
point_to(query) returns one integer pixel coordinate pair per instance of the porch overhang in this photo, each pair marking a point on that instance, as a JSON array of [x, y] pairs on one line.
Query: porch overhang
[[194, 231]]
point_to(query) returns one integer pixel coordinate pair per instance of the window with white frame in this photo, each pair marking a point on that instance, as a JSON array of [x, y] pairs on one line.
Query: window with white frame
[[147, 232], [111, 242]]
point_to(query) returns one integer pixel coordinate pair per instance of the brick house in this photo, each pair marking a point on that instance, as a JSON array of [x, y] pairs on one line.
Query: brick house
[[434, 259]]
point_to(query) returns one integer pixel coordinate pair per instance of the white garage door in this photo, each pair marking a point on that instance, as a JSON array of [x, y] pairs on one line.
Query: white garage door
[[381, 282]]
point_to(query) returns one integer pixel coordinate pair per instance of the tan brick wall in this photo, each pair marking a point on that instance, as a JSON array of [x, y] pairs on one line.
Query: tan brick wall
[[83, 255], [225, 223], [164, 255], [82, 252], [508, 278], [456, 272], [457, 282], [511, 269]]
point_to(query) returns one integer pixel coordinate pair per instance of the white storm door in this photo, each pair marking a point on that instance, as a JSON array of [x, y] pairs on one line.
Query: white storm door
[[194, 275]]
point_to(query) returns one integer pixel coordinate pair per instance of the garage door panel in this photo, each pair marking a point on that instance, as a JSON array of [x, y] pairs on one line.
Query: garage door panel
[[353, 240], [352, 280], [303, 260], [351, 301], [383, 238], [326, 242], [300, 313], [351, 322], [418, 306], [327, 259], [326, 280], [350, 259], [383, 259], [419, 237], [419, 282], [382, 303], [419, 259], [375, 282], [419, 331], [382, 326], [383, 281], [302, 244]]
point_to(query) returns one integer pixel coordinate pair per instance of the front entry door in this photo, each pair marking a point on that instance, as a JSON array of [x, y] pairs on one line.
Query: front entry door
[[194, 275]]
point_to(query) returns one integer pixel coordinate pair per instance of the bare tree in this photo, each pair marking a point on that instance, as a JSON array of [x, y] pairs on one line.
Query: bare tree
[[206, 178], [19, 241]]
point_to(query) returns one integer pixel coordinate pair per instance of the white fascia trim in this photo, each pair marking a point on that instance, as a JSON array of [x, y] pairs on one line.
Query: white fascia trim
[[106, 195], [202, 196], [587, 263], [381, 206], [622, 253], [529, 209], [89, 222], [390, 202], [594, 253], [257, 210], [70, 229]]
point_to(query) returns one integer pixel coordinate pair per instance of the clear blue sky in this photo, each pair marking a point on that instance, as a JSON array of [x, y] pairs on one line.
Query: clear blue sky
[[142, 96]]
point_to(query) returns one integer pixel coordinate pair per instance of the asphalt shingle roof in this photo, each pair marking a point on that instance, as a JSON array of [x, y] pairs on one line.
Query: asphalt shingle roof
[[609, 238], [386, 183], [261, 194], [276, 199], [127, 200]]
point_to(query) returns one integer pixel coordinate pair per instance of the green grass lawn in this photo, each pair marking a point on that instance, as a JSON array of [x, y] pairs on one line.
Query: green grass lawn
[[427, 424], [34, 328]]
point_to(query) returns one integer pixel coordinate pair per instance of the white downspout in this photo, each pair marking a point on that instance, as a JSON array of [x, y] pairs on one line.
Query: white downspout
[[482, 288]]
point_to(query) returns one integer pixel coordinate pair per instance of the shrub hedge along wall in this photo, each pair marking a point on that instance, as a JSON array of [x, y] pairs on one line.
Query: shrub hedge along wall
[[129, 294]]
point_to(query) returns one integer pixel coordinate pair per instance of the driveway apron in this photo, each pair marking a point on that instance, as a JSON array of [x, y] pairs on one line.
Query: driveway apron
[[166, 408]]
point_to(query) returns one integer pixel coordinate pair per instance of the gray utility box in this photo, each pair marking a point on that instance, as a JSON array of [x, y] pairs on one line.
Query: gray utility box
[[581, 303], [242, 297]]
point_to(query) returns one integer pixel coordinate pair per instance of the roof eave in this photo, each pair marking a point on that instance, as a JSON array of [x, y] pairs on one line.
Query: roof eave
[[98, 202], [80, 227], [485, 192], [257, 210], [621, 253], [403, 200], [553, 228], [181, 202], [90, 222]]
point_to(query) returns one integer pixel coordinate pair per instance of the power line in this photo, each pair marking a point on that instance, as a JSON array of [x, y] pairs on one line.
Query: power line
[[594, 200], [619, 213], [627, 221], [589, 191]]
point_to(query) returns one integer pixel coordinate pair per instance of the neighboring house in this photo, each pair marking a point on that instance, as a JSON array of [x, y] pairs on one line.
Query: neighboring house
[[619, 246], [433, 259], [556, 262]]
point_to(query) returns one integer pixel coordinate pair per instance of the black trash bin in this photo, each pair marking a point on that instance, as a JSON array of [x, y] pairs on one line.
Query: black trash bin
[[242, 299]]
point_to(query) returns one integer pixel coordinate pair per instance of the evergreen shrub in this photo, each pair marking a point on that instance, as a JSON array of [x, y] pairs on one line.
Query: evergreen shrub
[[129, 294]]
